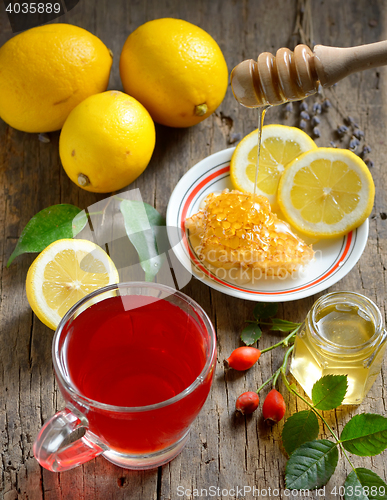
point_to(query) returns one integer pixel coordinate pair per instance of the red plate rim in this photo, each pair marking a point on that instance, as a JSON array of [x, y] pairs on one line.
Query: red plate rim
[[201, 185]]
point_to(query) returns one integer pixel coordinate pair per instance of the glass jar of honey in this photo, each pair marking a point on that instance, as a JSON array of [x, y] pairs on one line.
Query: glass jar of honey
[[343, 334]]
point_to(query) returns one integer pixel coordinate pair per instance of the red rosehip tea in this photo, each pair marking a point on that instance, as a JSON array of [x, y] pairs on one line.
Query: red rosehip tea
[[136, 351], [134, 362]]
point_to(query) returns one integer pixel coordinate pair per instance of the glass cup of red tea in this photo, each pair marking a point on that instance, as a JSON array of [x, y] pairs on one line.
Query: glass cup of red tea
[[134, 363]]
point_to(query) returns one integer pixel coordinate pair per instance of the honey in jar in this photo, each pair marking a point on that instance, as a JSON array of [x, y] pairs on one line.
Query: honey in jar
[[343, 334]]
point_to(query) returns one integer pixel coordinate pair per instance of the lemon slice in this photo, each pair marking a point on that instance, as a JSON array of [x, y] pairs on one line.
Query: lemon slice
[[63, 273], [326, 192], [280, 145]]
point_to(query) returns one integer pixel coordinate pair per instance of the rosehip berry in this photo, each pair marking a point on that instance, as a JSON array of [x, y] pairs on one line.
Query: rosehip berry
[[247, 402], [274, 406], [243, 358]]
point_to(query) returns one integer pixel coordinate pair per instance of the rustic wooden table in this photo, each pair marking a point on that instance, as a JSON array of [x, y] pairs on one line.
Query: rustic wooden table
[[225, 450]]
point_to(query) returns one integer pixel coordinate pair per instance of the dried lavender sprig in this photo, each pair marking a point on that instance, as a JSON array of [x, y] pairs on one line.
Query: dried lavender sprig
[[44, 138], [316, 132], [304, 106], [289, 107], [359, 134], [342, 130], [326, 104], [353, 144], [315, 121]]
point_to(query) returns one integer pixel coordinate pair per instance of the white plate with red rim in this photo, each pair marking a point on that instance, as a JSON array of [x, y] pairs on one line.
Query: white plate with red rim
[[333, 260]]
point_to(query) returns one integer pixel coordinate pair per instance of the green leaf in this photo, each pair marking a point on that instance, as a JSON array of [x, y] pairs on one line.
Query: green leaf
[[365, 435], [265, 310], [154, 217], [298, 429], [363, 484], [251, 333], [311, 465], [329, 391], [79, 222], [282, 325], [48, 225], [140, 228]]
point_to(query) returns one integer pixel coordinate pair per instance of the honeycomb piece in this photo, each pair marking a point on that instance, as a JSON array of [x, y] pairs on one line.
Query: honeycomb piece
[[239, 230]]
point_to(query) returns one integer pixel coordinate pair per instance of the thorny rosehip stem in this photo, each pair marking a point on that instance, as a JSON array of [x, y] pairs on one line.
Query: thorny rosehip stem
[[282, 368], [275, 375], [289, 339], [284, 342]]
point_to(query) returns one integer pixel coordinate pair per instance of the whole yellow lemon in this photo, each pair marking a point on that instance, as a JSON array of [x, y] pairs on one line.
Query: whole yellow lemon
[[107, 142], [175, 69], [46, 71]]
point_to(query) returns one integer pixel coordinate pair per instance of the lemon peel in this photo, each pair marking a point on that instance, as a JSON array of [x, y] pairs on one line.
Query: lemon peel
[[106, 142], [46, 71], [180, 81]]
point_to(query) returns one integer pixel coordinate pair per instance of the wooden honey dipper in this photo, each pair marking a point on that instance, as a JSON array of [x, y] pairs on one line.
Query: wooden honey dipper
[[290, 76]]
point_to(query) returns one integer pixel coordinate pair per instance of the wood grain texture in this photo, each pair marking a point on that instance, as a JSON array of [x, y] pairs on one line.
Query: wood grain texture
[[225, 450]]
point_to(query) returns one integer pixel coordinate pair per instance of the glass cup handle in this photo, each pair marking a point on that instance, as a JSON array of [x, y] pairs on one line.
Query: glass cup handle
[[47, 446]]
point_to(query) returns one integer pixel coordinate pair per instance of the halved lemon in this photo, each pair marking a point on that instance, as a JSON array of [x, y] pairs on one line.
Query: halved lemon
[[279, 146], [326, 192], [63, 273]]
